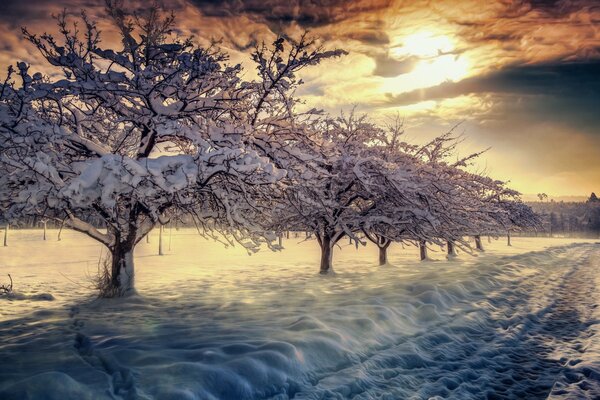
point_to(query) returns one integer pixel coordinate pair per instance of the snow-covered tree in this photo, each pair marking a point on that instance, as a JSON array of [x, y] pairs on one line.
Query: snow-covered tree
[[354, 190], [405, 212], [512, 215], [458, 201], [129, 136]]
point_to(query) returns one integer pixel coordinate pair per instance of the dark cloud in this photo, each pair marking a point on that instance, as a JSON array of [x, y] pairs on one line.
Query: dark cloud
[[560, 8], [505, 37], [19, 12], [552, 9], [370, 37], [571, 80], [306, 13], [14, 10]]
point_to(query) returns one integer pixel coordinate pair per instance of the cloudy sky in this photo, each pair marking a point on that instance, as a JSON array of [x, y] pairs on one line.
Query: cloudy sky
[[522, 77]]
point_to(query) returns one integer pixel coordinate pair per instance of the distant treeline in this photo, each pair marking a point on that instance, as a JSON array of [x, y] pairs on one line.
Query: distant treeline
[[569, 218]]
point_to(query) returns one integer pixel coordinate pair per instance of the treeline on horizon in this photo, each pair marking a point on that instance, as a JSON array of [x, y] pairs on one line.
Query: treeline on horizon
[[572, 219]]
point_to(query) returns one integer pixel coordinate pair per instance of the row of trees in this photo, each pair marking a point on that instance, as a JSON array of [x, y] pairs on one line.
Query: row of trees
[[167, 129], [569, 218]]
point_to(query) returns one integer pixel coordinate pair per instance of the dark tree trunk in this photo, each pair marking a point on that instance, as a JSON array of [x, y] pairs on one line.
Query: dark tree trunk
[[423, 249], [451, 249], [478, 244], [383, 255], [62, 225], [508, 238], [122, 276], [6, 228], [383, 246], [160, 240], [326, 255]]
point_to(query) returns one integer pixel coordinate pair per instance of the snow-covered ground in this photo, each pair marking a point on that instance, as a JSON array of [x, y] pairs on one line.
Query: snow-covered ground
[[214, 323]]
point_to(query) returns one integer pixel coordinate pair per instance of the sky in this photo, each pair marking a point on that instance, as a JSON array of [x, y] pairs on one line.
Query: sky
[[519, 77]]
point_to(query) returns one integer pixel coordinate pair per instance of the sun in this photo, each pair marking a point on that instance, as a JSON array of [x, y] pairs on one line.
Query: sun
[[423, 44], [436, 61]]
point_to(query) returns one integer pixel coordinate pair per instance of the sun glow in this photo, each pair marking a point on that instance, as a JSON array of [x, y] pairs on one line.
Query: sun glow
[[424, 44], [441, 69], [438, 61]]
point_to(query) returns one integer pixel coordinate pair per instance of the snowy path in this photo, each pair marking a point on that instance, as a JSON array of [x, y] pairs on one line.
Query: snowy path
[[523, 354], [517, 325]]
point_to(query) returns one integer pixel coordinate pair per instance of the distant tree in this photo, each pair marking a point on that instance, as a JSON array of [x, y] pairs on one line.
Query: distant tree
[[365, 187], [593, 216], [518, 217], [470, 204], [553, 223]]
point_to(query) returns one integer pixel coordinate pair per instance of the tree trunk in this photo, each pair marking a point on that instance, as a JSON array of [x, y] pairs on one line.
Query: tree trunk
[[508, 238], [383, 255], [62, 225], [451, 249], [326, 255], [45, 223], [423, 250], [6, 228], [280, 240], [122, 269], [383, 246], [478, 244], [160, 240]]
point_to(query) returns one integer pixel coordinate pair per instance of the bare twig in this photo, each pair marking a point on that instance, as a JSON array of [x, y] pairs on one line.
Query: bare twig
[[6, 289]]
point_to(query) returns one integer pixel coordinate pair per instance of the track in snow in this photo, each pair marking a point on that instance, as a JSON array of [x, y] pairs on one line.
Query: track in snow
[[521, 355]]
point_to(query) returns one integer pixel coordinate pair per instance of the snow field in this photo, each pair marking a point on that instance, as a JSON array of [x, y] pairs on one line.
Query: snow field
[[210, 323]]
